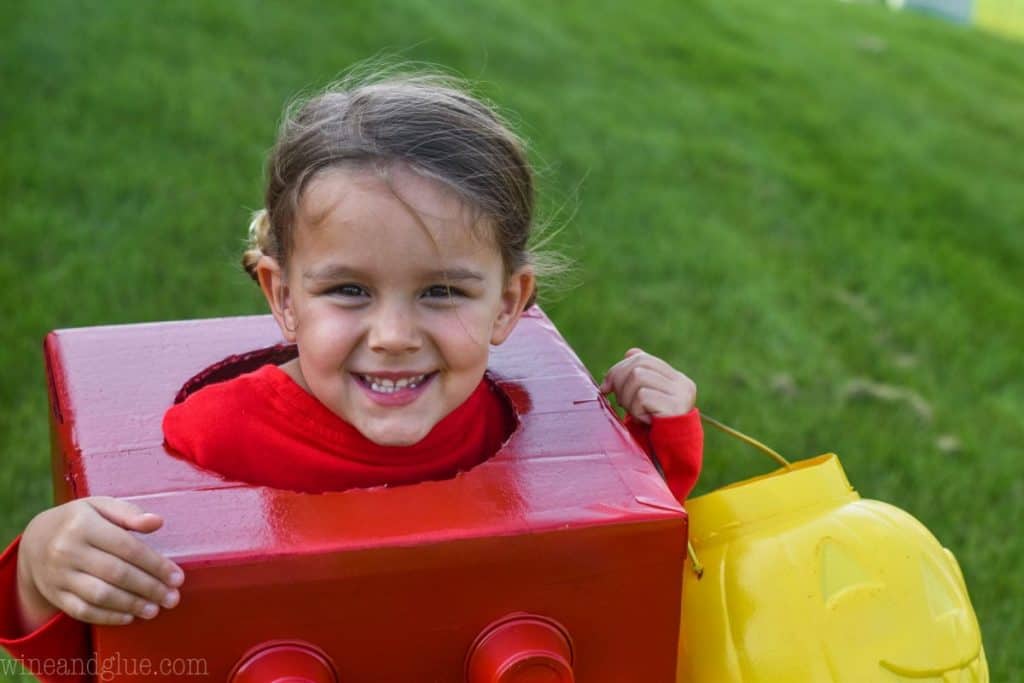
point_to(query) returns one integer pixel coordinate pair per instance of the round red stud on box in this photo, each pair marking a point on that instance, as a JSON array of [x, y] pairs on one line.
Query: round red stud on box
[[284, 662], [521, 648]]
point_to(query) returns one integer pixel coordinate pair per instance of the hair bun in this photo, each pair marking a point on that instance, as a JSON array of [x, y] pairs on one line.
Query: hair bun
[[258, 241]]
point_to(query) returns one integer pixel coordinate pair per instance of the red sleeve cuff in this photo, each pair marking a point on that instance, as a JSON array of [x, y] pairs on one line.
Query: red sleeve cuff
[[60, 637], [677, 443]]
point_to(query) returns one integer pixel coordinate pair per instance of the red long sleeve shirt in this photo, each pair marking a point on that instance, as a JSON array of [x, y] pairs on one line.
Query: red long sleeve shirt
[[264, 429]]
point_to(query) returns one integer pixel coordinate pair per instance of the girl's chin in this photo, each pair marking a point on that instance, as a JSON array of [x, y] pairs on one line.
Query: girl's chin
[[384, 436]]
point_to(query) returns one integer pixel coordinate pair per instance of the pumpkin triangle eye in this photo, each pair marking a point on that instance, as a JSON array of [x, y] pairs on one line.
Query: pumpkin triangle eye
[[841, 572]]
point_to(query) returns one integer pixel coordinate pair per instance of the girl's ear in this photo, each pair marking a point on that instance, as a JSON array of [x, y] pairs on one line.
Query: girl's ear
[[275, 288], [516, 294]]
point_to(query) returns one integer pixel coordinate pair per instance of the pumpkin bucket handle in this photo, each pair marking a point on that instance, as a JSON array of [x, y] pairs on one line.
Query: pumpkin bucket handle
[[698, 568]]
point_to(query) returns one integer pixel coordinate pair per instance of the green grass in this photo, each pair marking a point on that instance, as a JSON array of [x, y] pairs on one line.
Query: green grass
[[779, 198]]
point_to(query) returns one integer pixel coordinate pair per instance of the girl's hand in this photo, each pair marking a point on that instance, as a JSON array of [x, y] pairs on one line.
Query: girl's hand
[[647, 387], [81, 558]]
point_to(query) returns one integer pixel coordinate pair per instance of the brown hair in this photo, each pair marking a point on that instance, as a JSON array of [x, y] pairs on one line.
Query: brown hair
[[428, 121]]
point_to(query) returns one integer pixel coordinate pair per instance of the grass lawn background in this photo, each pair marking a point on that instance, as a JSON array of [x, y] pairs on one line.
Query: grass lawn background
[[815, 209]]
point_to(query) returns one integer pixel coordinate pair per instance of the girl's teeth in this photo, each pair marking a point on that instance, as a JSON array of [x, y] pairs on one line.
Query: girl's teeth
[[387, 386]]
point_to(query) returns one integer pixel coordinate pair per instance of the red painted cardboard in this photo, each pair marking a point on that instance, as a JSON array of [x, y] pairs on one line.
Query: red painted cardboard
[[569, 521]]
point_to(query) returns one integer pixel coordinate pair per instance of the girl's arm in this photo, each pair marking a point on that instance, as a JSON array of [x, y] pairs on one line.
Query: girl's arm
[[659, 401], [79, 559], [677, 445], [59, 639]]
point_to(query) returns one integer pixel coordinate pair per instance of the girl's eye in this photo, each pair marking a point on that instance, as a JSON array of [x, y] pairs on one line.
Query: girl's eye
[[442, 292], [347, 290]]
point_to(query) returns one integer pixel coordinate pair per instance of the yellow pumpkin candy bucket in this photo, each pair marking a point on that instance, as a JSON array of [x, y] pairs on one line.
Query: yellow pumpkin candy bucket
[[795, 578]]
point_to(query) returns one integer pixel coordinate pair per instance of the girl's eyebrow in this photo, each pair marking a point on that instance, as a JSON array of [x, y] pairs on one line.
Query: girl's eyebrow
[[337, 271], [333, 271], [460, 274]]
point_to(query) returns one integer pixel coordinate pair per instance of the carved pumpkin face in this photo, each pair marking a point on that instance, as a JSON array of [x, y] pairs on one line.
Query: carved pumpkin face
[[805, 581]]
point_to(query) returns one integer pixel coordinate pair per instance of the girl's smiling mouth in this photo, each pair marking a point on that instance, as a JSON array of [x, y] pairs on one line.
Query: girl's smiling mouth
[[394, 388]]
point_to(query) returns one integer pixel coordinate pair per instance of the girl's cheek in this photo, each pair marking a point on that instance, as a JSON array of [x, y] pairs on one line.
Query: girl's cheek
[[329, 332], [468, 347]]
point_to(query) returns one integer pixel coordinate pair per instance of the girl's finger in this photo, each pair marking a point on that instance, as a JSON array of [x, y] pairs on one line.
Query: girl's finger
[[617, 373], [125, 515], [666, 396], [79, 609], [127, 577], [102, 595], [658, 365], [639, 377], [639, 368], [121, 544], [654, 402]]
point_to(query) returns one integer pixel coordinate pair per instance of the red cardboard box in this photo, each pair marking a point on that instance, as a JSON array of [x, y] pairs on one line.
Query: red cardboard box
[[569, 522]]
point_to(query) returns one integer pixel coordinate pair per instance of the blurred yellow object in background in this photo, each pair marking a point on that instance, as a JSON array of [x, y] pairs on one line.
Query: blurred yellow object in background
[[804, 581], [1000, 16]]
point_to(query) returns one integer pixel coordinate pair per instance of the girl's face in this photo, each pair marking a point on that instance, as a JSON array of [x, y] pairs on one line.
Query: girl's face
[[392, 299]]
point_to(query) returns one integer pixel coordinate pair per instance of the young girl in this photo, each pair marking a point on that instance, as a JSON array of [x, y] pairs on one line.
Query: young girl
[[392, 251]]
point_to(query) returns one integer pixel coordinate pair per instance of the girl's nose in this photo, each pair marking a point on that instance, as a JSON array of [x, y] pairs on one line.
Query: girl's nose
[[394, 330]]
